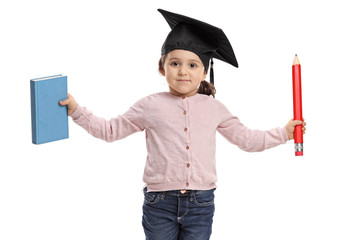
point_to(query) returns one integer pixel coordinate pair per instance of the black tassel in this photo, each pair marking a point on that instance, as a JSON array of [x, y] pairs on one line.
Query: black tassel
[[212, 72]]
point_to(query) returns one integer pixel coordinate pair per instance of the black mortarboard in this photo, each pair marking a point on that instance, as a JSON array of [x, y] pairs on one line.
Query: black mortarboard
[[205, 40]]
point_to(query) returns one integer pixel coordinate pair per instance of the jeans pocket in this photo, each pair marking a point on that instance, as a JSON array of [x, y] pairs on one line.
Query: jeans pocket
[[151, 198], [204, 199]]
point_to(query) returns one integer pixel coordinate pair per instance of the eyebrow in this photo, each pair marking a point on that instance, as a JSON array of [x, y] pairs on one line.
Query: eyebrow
[[194, 60]]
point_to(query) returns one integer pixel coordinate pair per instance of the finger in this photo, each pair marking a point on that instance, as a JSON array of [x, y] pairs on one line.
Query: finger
[[65, 102], [295, 123]]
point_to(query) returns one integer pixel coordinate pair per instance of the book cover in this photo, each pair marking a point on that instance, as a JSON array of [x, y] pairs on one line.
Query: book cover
[[49, 120]]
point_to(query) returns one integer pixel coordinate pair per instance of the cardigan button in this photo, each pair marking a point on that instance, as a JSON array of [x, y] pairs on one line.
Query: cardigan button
[[187, 147], [185, 129], [184, 112], [187, 184], [188, 165]]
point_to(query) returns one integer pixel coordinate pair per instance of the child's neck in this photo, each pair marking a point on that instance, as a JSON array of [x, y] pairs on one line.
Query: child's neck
[[189, 94]]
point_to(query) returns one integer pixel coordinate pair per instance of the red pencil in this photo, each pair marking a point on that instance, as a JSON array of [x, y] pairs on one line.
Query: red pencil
[[296, 78]]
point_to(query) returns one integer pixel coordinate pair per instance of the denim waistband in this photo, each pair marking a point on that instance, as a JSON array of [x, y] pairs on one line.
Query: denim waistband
[[177, 193]]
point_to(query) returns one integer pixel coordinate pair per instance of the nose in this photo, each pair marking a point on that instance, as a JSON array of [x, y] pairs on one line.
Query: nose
[[182, 71]]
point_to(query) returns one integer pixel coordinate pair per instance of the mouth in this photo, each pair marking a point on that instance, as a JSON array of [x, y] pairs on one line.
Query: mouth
[[183, 80]]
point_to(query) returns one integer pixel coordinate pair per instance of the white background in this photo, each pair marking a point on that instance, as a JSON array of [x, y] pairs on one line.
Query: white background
[[84, 188]]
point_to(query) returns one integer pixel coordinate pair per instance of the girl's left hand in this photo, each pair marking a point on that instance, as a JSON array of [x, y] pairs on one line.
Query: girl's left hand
[[290, 127]]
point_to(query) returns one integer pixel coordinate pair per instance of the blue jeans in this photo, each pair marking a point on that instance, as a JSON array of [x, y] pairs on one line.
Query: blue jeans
[[172, 215]]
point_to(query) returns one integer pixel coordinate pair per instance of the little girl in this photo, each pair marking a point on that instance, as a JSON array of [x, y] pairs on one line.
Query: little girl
[[180, 127]]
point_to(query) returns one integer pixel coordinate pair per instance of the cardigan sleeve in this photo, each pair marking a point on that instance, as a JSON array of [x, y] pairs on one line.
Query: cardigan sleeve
[[248, 139], [113, 129]]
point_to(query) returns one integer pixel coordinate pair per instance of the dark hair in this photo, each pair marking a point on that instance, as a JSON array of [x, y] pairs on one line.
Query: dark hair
[[207, 88], [204, 87]]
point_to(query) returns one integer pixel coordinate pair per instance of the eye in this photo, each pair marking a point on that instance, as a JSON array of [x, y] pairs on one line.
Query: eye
[[175, 64], [193, 65]]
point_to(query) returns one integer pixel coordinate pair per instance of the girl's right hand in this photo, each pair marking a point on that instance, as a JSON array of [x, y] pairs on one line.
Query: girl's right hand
[[71, 104]]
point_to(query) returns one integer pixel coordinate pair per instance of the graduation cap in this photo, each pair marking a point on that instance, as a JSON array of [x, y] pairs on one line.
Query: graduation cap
[[203, 39]]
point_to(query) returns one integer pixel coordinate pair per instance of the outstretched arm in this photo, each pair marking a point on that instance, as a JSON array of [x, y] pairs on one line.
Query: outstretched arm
[[107, 130], [252, 140]]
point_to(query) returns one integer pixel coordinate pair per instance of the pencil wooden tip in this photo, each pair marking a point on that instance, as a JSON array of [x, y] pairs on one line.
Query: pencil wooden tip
[[296, 60]]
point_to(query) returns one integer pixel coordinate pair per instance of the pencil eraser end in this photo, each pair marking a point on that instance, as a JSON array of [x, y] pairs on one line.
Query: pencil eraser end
[[299, 154]]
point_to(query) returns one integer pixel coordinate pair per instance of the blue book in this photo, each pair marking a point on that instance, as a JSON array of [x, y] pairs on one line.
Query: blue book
[[49, 120]]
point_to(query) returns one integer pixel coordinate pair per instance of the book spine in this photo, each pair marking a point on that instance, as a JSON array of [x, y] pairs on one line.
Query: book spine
[[33, 112]]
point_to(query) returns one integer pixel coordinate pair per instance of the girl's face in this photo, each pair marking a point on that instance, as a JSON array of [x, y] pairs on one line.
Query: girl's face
[[184, 71]]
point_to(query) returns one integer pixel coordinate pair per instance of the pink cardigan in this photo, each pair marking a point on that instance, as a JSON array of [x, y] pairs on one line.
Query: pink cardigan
[[180, 137]]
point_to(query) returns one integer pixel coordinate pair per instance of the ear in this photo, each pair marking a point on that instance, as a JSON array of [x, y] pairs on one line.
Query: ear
[[162, 71], [204, 77]]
